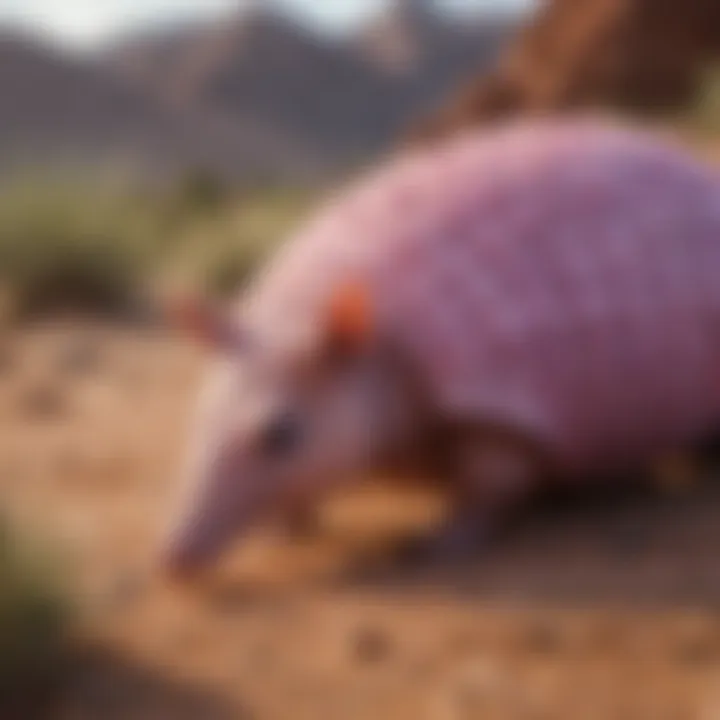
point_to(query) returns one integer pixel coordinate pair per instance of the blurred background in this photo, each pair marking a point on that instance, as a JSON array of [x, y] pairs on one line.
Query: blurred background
[[185, 139]]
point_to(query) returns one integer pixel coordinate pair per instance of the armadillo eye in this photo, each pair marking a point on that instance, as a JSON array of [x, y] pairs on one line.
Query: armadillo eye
[[282, 436]]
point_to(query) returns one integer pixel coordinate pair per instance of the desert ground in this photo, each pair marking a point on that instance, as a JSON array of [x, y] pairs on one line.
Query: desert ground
[[605, 609]]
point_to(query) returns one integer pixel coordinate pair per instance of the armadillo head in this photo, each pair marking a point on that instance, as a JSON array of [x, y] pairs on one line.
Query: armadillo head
[[275, 427]]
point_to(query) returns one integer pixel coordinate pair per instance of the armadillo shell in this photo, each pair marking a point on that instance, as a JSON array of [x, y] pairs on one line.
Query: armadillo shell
[[562, 276]]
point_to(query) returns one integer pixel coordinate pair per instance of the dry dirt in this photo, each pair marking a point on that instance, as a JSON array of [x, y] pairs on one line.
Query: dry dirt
[[594, 611]]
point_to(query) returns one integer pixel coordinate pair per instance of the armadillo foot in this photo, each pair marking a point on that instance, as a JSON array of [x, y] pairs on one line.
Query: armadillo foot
[[301, 525], [495, 475], [459, 539]]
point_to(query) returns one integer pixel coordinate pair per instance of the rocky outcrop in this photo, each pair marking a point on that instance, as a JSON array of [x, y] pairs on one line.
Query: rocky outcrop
[[645, 55]]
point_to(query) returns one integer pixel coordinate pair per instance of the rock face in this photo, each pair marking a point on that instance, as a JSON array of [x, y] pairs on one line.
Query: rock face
[[428, 54], [636, 54]]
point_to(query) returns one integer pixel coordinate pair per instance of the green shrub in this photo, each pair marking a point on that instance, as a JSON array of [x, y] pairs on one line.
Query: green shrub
[[34, 615], [63, 247], [84, 247], [222, 252], [201, 192], [228, 268]]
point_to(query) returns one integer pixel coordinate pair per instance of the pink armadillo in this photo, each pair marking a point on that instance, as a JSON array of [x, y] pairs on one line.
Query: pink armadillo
[[555, 279]]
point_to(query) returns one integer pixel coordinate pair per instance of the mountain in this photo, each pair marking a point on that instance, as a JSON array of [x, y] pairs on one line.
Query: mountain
[[253, 96], [345, 100], [62, 111], [259, 66]]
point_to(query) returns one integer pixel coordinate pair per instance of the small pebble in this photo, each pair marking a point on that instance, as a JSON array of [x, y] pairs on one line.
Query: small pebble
[[698, 651], [474, 690], [698, 654], [543, 639], [371, 645], [42, 402]]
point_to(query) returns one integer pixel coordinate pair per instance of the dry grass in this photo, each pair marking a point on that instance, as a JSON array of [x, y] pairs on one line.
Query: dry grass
[[34, 624], [99, 249]]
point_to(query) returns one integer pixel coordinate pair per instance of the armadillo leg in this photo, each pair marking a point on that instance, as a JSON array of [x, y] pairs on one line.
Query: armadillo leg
[[302, 522], [494, 478]]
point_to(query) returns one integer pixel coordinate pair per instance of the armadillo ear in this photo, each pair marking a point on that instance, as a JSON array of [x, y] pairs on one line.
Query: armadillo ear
[[201, 320], [349, 321]]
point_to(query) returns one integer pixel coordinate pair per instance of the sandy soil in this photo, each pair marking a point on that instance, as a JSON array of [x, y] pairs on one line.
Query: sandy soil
[[591, 611]]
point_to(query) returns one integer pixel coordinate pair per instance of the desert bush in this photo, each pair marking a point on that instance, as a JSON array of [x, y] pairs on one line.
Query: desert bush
[[66, 247], [85, 247], [34, 617], [221, 253], [201, 192]]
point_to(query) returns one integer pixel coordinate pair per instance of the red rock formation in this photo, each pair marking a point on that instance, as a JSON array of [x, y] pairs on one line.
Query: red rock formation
[[636, 54]]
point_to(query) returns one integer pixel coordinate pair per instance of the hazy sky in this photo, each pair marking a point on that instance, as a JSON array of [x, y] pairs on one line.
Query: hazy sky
[[85, 23]]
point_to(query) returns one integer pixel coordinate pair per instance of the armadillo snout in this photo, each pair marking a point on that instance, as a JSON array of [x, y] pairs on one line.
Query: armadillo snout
[[187, 555]]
